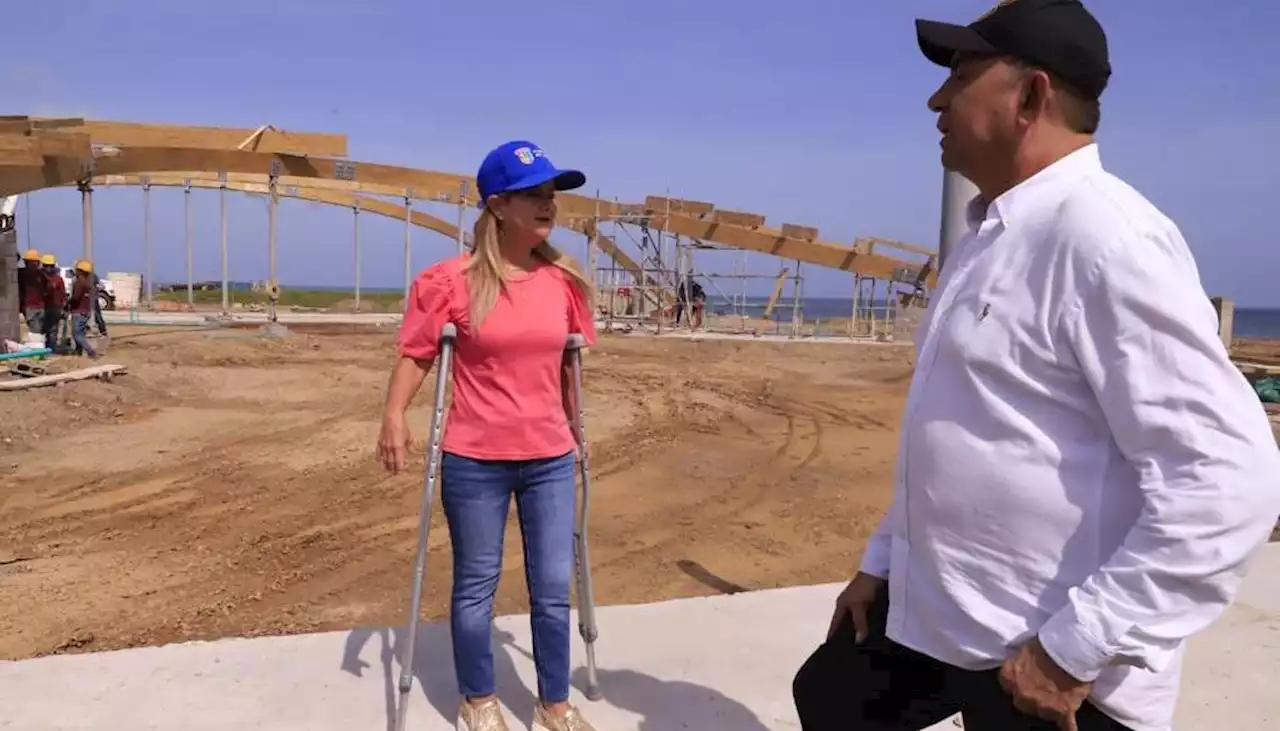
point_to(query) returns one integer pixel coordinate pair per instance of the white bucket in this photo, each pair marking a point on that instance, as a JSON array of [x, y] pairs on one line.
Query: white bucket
[[128, 289]]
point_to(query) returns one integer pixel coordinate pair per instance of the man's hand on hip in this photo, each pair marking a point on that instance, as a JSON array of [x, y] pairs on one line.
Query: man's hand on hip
[[854, 602], [1042, 689]]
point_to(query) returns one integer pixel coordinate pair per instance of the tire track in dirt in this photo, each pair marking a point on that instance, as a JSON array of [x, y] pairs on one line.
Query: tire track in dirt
[[286, 524]]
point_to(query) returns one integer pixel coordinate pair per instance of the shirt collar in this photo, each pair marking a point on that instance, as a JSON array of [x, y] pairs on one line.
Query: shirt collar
[[1056, 176]]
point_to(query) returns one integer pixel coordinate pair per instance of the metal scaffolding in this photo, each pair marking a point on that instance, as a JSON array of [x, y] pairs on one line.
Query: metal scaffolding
[[639, 283]]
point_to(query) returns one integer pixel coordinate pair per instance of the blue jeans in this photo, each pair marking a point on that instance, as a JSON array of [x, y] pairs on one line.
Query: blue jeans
[[98, 319], [79, 333], [477, 497]]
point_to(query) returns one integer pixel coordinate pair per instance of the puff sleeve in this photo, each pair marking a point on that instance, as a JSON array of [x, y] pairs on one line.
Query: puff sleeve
[[581, 318], [431, 303]]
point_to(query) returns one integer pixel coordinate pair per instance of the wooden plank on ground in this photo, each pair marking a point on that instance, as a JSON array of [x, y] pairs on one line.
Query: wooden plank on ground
[[99, 371]]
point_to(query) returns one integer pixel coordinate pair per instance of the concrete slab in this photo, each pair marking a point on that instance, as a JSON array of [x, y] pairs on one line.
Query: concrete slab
[[710, 664]]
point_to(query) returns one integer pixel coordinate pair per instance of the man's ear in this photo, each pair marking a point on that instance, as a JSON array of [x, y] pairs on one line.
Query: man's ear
[[1035, 91]]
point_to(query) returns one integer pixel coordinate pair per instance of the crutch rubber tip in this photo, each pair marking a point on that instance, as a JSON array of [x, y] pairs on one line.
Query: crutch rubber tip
[[593, 693]]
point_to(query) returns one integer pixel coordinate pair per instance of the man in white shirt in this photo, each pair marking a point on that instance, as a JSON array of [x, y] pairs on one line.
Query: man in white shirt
[[1083, 473]]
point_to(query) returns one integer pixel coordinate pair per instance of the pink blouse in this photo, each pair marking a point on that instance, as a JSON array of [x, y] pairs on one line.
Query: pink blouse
[[506, 395]]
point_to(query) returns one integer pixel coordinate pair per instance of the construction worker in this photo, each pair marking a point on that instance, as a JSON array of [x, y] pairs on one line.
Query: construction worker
[[55, 300], [690, 294], [81, 305], [98, 319], [514, 303], [31, 291]]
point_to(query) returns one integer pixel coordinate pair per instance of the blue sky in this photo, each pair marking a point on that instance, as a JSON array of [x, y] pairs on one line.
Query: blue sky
[[809, 111]]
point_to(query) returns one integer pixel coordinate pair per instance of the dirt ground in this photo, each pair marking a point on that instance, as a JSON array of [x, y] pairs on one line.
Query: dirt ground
[[226, 485]]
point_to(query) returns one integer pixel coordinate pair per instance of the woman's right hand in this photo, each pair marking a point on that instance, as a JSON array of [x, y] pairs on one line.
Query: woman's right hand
[[393, 442]]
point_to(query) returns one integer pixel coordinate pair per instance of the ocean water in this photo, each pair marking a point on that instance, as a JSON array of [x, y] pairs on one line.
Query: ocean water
[[1250, 322]]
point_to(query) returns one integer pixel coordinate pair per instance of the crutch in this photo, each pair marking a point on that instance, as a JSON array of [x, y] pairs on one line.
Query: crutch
[[586, 601], [448, 337]]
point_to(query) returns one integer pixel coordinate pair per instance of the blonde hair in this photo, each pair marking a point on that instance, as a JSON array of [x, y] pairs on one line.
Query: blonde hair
[[486, 274]]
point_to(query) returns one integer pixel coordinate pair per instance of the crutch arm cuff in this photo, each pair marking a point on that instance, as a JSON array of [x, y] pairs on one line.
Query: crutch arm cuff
[[575, 341]]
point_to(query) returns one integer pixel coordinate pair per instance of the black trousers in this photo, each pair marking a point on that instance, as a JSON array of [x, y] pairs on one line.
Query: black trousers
[[883, 686]]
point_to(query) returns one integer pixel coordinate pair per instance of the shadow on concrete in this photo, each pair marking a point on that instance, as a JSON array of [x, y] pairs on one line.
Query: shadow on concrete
[[432, 669], [704, 576], [663, 704]]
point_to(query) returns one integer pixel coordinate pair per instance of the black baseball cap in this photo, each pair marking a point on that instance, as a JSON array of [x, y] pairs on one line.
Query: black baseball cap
[[1059, 36]]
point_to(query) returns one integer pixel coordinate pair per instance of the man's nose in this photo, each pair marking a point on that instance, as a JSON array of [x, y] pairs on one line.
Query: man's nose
[[938, 101]]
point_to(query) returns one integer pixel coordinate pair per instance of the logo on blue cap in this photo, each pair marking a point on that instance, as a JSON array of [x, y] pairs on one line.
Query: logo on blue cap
[[521, 164]]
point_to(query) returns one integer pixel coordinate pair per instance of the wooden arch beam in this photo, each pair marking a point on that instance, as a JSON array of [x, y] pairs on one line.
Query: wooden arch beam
[[313, 195], [258, 184], [442, 187]]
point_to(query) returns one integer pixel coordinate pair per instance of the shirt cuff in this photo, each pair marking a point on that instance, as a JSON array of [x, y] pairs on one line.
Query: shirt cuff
[[877, 555], [1070, 639]]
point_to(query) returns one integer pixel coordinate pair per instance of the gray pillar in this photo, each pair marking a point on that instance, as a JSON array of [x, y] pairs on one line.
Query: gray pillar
[[10, 320], [86, 210], [957, 191]]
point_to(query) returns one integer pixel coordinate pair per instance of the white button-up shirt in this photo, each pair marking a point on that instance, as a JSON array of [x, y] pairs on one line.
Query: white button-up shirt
[[1079, 459]]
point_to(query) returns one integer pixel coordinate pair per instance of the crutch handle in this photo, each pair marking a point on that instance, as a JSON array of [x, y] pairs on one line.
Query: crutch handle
[[575, 341], [449, 331]]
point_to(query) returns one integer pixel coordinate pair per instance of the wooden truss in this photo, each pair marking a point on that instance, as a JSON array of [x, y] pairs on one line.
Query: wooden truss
[[42, 153]]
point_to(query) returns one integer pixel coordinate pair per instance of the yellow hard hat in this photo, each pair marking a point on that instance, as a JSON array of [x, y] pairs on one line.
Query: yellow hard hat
[[31, 255], [85, 265], [48, 260]]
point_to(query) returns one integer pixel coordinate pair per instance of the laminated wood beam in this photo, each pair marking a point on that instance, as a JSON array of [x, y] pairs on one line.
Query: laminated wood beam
[[429, 185], [660, 204], [737, 218], [134, 134], [313, 195]]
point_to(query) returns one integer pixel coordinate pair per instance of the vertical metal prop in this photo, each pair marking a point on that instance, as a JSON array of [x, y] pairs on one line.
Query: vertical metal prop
[[186, 225], [356, 211], [149, 251], [408, 241], [957, 191], [273, 203], [448, 337], [586, 595], [593, 241], [222, 233], [797, 294], [462, 214], [86, 211]]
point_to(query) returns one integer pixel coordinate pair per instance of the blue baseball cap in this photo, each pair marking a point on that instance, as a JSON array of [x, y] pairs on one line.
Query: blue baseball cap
[[520, 164]]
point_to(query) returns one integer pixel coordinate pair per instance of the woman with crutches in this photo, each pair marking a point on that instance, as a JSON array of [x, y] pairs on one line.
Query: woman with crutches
[[514, 300]]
